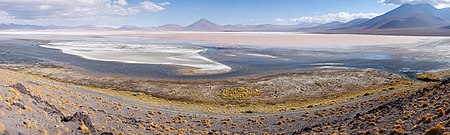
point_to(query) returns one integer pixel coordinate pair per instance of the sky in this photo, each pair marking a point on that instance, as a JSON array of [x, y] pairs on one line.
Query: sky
[[115, 13]]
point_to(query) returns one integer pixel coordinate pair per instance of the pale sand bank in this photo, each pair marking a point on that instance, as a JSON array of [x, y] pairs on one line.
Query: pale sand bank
[[187, 56]]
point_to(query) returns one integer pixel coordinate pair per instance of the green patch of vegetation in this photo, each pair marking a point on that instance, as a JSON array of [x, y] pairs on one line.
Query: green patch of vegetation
[[239, 93], [427, 76], [433, 76]]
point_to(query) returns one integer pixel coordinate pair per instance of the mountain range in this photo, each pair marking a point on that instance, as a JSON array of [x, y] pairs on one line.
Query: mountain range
[[407, 19]]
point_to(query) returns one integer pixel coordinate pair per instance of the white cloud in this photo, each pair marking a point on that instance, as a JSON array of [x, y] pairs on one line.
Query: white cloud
[[436, 3], [4, 16], [122, 2], [36, 11], [164, 4], [150, 6], [341, 17]]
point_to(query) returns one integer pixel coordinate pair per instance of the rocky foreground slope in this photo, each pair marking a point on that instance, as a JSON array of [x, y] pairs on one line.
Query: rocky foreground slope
[[425, 110], [34, 105]]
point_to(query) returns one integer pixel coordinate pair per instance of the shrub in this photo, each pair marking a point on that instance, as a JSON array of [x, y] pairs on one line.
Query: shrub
[[84, 128], [19, 112], [427, 76], [2, 128], [28, 108], [441, 112], [435, 130], [27, 124]]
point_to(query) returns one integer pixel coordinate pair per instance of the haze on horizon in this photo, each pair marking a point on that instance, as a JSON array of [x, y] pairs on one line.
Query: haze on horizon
[[117, 13]]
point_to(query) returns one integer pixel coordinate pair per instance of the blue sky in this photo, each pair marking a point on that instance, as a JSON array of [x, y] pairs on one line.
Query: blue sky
[[255, 11], [184, 12]]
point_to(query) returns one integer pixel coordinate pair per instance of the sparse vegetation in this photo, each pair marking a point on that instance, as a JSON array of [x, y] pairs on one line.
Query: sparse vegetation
[[28, 108], [435, 130], [84, 128], [2, 128], [427, 76], [19, 112], [27, 124], [441, 112], [240, 93]]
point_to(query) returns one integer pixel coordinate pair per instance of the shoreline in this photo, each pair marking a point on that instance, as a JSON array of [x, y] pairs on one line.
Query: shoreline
[[202, 88], [205, 66]]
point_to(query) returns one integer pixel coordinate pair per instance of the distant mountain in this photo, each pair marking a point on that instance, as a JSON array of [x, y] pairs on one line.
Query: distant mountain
[[307, 24], [354, 22], [204, 25], [21, 26], [407, 19], [272, 27], [176, 26], [408, 16], [445, 12], [56, 27], [29, 27], [170, 27], [330, 24], [129, 27], [86, 26], [334, 25]]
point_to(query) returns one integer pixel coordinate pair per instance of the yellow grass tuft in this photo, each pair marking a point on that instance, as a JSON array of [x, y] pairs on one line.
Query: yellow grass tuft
[[84, 128], [27, 124], [44, 131], [441, 112], [434, 130], [2, 128], [16, 94], [28, 108], [58, 132], [19, 112]]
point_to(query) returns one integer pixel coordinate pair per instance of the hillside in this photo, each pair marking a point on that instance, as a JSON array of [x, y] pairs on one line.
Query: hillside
[[425, 110], [408, 19], [408, 16], [33, 104]]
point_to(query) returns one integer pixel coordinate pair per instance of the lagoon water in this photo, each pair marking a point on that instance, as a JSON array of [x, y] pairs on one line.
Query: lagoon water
[[150, 58]]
